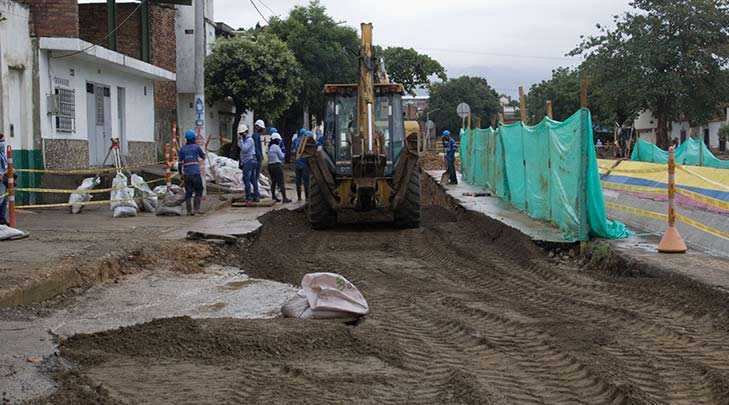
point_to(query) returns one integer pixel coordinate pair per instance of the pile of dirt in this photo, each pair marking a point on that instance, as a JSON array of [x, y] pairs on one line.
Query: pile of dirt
[[463, 310]]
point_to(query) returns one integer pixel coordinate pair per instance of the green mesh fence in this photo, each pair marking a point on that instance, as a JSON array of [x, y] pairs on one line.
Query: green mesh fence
[[548, 171], [692, 152]]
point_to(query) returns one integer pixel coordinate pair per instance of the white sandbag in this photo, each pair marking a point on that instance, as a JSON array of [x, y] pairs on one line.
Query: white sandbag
[[230, 177], [123, 198], [327, 295], [141, 189], [87, 184], [163, 211], [8, 233], [264, 187]]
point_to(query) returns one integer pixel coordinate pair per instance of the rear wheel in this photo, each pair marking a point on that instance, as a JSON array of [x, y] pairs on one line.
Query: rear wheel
[[320, 214], [408, 215]]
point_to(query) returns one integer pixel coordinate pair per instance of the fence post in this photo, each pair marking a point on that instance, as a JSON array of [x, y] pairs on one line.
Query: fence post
[[11, 188], [583, 93], [549, 110], [522, 105], [168, 175], [174, 141], [672, 241]]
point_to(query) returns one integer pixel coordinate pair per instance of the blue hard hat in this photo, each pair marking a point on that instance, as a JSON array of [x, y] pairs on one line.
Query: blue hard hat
[[190, 134], [272, 130], [302, 131], [309, 133], [446, 133]]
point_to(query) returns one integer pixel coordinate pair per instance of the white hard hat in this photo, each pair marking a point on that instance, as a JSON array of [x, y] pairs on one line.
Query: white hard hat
[[242, 128], [260, 124], [276, 136]]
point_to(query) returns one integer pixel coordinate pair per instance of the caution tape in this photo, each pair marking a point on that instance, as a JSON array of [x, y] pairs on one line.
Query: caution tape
[[635, 189], [87, 171], [636, 211], [699, 225], [664, 217], [708, 180], [704, 199], [3, 195], [92, 191], [640, 171], [85, 203]]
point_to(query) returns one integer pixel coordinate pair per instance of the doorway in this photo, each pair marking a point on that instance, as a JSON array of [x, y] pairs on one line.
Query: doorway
[[98, 112], [16, 131]]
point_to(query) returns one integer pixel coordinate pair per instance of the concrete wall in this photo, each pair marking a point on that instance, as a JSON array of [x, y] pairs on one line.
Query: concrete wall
[[78, 70]]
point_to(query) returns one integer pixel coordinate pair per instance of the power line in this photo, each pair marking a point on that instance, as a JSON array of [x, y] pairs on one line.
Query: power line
[[268, 8], [506, 55], [106, 37], [259, 12]]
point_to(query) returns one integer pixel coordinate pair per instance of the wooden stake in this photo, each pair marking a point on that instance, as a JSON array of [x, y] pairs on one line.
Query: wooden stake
[[549, 109], [522, 105], [469, 121], [583, 93]]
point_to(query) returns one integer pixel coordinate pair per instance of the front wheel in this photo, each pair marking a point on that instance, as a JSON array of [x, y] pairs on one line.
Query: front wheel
[[319, 213], [408, 214]]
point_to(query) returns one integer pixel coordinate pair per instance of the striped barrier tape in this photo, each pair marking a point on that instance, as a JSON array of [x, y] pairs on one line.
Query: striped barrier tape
[[639, 171], [704, 199], [664, 217], [87, 171], [92, 191], [636, 189], [3, 195], [84, 203], [708, 180]]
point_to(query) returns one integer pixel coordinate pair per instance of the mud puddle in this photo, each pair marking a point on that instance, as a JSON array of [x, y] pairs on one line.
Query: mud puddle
[[28, 347]]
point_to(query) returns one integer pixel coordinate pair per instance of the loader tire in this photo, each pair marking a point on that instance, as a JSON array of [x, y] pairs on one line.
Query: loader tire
[[319, 213], [408, 215]]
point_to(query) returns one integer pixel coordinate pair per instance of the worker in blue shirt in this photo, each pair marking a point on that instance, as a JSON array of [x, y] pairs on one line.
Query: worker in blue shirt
[[189, 166], [275, 168], [281, 144], [258, 129], [302, 167], [450, 155], [248, 161]]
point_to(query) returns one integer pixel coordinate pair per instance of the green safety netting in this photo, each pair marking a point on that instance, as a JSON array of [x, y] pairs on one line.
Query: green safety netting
[[692, 152], [548, 171]]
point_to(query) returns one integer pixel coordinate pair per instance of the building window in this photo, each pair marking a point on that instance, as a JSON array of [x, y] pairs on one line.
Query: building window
[[66, 117]]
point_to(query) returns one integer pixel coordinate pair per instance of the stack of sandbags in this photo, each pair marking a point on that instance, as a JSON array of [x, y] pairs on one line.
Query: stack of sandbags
[[142, 191], [123, 204], [171, 204], [78, 198]]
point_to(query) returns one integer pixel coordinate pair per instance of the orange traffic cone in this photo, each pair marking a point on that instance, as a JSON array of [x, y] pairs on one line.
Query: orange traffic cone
[[672, 241]]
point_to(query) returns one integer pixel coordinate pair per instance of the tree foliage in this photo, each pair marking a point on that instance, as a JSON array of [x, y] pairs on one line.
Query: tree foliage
[[475, 91], [410, 68], [319, 44], [563, 89], [666, 56], [261, 75]]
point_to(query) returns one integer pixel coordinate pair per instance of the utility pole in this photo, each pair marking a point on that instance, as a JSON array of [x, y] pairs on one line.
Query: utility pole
[[427, 130], [200, 53]]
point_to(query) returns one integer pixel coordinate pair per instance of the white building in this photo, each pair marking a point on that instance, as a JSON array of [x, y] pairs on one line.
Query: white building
[[646, 125]]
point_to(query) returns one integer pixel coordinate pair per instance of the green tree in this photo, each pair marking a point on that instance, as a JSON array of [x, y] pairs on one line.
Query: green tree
[[320, 45], [475, 91], [563, 89], [410, 68], [666, 56], [261, 75]]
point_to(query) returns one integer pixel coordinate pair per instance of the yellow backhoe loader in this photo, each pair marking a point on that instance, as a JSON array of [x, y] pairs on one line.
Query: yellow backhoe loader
[[366, 161]]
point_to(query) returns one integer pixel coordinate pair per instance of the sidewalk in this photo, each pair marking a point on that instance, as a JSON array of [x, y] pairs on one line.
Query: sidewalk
[[639, 251]]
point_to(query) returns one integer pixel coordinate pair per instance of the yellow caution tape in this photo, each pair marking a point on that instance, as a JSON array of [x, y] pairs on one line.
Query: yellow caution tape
[[708, 180], [636, 211], [84, 203], [636, 189], [87, 171], [92, 191], [703, 227], [3, 195], [704, 199], [618, 169]]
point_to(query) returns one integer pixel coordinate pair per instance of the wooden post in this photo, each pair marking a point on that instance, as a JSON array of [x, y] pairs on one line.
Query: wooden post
[[583, 93], [174, 142], [478, 122], [11, 188], [522, 105], [549, 109], [469, 121]]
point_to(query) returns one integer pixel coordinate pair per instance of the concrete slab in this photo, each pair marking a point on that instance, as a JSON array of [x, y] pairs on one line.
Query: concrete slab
[[539, 231]]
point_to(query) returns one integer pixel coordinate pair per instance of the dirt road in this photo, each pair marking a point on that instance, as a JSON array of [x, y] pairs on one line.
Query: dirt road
[[462, 311]]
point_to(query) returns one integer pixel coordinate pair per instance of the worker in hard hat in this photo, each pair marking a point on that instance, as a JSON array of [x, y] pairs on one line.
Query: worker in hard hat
[[302, 167], [248, 161], [258, 129], [189, 166], [276, 157], [450, 156]]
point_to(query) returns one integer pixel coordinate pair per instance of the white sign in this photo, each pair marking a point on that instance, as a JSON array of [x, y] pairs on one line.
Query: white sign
[[430, 124], [463, 110]]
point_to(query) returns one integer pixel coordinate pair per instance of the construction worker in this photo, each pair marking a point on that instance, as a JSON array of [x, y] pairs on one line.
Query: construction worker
[[450, 156], [281, 144], [258, 129], [276, 157], [189, 166], [3, 181], [248, 161], [302, 168]]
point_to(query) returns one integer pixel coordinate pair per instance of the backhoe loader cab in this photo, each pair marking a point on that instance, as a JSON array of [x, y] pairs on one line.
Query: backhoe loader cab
[[366, 161]]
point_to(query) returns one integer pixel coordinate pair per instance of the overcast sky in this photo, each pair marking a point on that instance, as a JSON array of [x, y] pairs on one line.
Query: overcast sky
[[467, 36]]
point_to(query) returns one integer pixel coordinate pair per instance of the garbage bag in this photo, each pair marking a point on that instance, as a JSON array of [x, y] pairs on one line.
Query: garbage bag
[[324, 296], [142, 190], [87, 184], [8, 233], [123, 198]]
